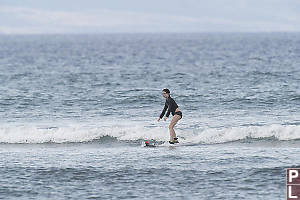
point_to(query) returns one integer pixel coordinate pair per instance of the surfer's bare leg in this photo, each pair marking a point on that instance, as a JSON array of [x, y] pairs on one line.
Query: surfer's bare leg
[[174, 121]]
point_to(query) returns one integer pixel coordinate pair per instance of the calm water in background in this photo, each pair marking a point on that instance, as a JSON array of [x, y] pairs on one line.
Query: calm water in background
[[75, 109]]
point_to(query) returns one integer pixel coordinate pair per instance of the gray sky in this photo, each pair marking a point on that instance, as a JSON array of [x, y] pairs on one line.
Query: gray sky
[[114, 16]]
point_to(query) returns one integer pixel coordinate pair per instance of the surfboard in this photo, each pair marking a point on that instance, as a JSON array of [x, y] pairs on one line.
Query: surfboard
[[180, 144], [158, 144], [150, 143]]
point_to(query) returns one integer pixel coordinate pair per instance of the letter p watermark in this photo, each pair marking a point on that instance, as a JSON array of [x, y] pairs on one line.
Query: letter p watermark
[[293, 183]]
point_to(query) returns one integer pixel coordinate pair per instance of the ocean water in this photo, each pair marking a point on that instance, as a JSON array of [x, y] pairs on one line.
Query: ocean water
[[75, 111]]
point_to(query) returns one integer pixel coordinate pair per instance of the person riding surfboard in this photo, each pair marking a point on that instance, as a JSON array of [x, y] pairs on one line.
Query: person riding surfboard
[[173, 108]]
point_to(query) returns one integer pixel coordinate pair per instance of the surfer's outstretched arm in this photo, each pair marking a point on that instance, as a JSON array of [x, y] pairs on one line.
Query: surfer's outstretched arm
[[163, 112]]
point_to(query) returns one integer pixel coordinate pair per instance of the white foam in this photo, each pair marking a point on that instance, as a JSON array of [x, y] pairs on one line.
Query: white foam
[[280, 132], [34, 133], [76, 133]]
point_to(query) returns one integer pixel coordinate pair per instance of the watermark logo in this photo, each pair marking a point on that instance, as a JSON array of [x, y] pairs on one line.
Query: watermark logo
[[293, 183]]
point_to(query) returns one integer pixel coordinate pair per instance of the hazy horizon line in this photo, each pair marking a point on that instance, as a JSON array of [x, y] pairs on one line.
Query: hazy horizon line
[[165, 32]]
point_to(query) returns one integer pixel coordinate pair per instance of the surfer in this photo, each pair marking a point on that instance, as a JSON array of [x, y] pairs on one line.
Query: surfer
[[172, 108]]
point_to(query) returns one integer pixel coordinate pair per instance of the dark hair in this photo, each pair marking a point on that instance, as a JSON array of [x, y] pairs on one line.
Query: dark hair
[[166, 90]]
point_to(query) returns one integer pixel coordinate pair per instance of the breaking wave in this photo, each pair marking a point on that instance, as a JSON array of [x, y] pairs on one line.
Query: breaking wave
[[76, 133]]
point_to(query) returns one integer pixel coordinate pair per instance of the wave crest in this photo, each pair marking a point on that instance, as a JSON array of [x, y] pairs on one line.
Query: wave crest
[[79, 133], [277, 132]]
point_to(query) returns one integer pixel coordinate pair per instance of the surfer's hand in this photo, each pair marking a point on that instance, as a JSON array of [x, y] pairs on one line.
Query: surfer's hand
[[165, 118], [158, 119]]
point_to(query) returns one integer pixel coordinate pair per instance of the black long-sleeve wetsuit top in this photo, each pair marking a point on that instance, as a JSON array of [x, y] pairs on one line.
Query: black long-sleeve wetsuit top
[[171, 105]]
